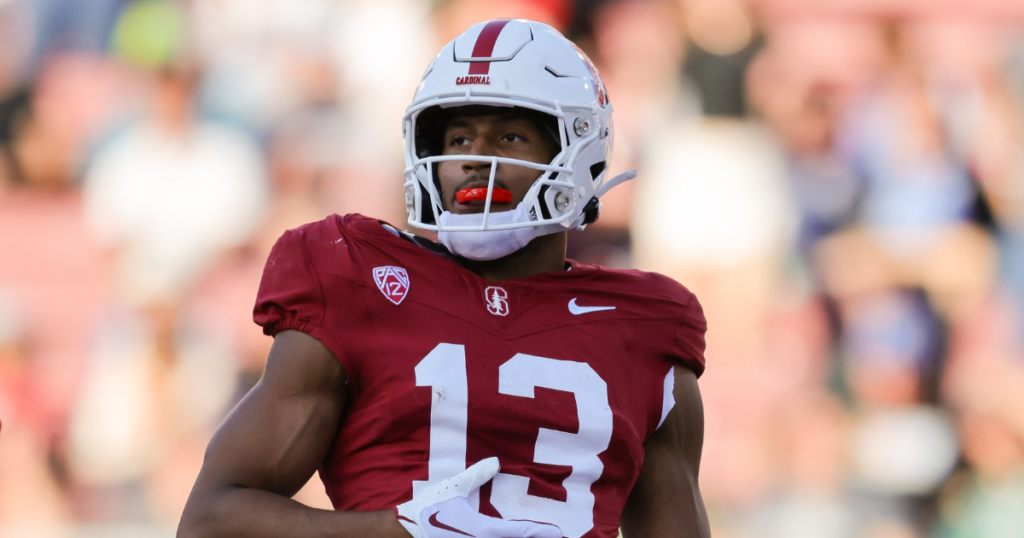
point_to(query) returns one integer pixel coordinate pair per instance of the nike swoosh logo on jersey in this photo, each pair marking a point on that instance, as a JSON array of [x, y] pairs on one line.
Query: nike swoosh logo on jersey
[[577, 310], [433, 521]]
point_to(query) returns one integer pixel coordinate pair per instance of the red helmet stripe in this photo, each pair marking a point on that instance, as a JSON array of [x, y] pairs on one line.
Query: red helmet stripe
[[484, 46]]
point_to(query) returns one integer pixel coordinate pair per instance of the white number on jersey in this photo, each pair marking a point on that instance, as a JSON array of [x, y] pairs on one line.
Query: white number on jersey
[[444, 369]]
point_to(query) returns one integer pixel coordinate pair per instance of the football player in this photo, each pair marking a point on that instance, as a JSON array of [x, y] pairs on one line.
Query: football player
[[484, 385]]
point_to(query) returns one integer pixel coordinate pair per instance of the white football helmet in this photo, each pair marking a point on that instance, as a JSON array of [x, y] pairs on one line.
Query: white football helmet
[[516, 63]]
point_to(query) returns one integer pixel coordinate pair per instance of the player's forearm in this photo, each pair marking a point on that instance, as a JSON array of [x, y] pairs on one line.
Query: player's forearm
[[253, 513], [673, 512]]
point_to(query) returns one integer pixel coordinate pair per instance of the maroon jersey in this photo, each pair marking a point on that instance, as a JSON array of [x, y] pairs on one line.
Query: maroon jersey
[[562, 375]]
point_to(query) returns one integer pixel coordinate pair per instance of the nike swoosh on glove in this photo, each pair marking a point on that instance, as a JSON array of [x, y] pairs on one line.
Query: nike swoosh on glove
[[443, 511]]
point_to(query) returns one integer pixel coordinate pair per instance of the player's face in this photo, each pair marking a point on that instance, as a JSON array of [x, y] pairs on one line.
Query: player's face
[[500, 135]]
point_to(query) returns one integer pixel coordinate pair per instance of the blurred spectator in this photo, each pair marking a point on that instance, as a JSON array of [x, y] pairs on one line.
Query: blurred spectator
[[57, 280], [168, 198], [712, 207], [744, 403], [995, 148], [711, 210], [77, 99], [266, 59], [53, 286], [287, 59], [638, 46], [724, 41], [304, 168], [801, 84], [141, 423], [814, 500], [30, 498], [917, 202], [172, 193], [985, 363], [903, 452], [16, 38], [989, 500], [68, 25], [889, 347], [376, 79]]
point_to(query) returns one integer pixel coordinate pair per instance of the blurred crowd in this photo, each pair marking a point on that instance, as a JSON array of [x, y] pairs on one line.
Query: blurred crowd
[[840, 183]]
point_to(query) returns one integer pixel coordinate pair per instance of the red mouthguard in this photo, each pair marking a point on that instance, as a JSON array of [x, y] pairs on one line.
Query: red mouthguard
[[480, 195]]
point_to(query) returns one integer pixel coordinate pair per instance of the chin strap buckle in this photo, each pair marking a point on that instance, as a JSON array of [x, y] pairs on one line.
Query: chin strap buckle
[[591, 211]]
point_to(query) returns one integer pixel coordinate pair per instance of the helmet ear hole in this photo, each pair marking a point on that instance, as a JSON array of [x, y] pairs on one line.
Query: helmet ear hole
[[596, 169]]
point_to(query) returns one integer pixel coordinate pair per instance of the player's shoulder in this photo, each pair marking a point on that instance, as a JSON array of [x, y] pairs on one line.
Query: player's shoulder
[[673, 310], [327, 236], [312, 234], [326, 245], [643, 285]]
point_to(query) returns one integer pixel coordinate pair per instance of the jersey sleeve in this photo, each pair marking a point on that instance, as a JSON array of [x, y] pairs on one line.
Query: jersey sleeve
[[688, 345], [290, 294]]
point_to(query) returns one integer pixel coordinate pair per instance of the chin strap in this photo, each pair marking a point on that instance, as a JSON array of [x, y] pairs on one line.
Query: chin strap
[[611, 183]]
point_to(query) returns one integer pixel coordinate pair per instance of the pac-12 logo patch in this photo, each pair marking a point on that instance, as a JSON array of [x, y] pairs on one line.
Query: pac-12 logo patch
[[392, 281], [497, 300]]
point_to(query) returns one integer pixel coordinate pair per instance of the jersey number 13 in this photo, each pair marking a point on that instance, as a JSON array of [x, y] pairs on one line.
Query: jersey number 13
[[444, 370]]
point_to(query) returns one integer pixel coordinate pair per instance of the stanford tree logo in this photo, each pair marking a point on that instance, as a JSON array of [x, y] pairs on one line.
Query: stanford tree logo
[[497, 300]]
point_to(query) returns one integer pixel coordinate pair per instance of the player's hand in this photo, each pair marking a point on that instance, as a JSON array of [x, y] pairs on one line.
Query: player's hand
[[443, 511]]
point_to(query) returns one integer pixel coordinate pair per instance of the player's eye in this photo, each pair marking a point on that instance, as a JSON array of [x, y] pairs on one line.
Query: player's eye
[[458, 141], [511, 137]]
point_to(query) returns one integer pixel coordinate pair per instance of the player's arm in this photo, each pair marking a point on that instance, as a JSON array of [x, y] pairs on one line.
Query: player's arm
[[666, 500], [270, 445]]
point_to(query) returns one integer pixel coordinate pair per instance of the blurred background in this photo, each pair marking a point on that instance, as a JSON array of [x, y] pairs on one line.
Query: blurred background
[[841, 183]]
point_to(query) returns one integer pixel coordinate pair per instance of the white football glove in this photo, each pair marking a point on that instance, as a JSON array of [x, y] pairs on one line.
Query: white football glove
[[443, 511]]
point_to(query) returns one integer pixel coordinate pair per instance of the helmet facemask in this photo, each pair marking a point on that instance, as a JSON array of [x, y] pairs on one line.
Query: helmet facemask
[[552, 201]]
